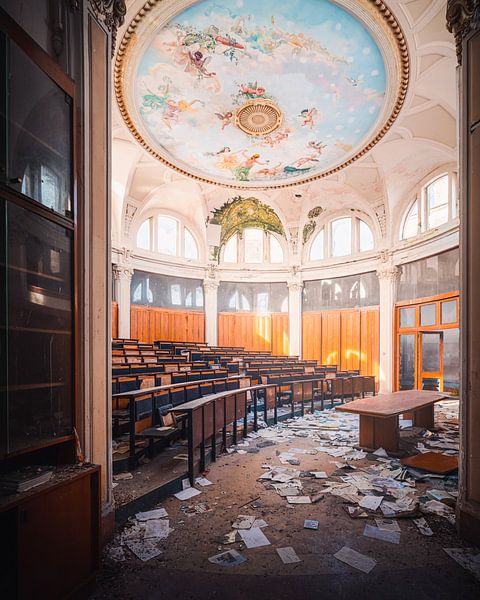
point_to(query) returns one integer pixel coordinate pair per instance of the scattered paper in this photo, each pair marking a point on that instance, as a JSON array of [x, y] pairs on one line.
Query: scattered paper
[[185, 483], [355, 559], [231, 537], [356, 512], [260, 523], [231, 558], [288, 555], [371, 502], [387, 524], [144, 549], [187, 494], [243, 522], [319, 474], [254, 537], [158, 513], [298, 499], [381, 452], [122, 477], [468, 558], [384, 535], [423, 526], [203, 481], [157, 528], [310, 524]]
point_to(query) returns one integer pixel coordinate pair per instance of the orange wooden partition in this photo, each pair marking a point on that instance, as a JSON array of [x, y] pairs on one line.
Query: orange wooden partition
[[348, 338], [148, 324], [254, 331], [114, 319]]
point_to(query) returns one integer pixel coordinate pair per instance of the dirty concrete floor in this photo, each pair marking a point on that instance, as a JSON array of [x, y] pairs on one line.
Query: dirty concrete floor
[[418, 567]]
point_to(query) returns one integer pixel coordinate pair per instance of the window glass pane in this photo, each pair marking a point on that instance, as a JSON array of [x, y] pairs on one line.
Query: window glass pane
[[38, 318], [230, 252], [317, 247], [167, 235], [451, 361], [191, 248], [143, 235], [276, 252], [410, 225], [39, 137], [262, 301], [342, 292], [407, 317], [407, 362], [176, 295], [366, 237], [428, 314], [252, 296], [431, 352], [449, 311], [342, 237], [437, 202], [253, 239], [166, 291]]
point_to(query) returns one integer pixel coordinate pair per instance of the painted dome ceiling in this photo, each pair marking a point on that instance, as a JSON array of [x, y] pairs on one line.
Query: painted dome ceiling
[[249, 93]]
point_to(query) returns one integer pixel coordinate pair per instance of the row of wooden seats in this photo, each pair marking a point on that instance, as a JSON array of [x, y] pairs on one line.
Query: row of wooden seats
[[136, 382]]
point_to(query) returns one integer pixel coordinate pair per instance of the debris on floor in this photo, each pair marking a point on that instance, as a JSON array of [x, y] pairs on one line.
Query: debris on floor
[[355, 559]]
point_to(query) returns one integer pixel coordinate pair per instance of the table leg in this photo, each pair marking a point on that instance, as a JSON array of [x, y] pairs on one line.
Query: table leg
[[424, 417], [379, 433]]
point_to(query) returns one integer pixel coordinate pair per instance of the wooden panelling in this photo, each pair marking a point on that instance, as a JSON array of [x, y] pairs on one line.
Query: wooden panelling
[[114, 319], [347, 338], [254, 331], [148, 324]]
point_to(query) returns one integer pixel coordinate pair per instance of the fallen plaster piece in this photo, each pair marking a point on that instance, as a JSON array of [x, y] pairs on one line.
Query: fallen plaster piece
[[144, 550], [243, 522], [230, 558], [384, 535], [468, 558], [371, 502], [254, 537], [288, 555], [355, 559]]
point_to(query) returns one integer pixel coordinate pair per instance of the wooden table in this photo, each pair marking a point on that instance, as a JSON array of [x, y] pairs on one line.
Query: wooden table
[[379, 415]]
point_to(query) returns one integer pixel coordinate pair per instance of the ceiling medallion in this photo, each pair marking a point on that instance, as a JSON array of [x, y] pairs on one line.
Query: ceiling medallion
[[258, 117]]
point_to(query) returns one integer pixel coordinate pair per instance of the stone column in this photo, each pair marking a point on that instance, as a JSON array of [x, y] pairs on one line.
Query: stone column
[[388, 277], [210, 287], [122, 276], [295, 287]]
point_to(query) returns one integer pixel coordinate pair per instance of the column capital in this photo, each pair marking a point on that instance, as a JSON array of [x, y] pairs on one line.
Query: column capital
[[211, 285], [461, 17], [122, 272], [295, 285], [389, 273]]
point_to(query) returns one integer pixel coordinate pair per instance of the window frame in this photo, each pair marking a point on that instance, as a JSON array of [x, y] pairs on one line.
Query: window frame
[[181, 226], [241, 249], [326, 228]]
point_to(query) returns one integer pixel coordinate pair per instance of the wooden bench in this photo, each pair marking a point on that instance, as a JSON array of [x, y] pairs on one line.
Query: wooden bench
[[379, 426]]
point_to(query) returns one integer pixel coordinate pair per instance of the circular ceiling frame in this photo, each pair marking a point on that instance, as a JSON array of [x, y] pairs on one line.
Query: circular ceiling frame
[[377, 17]]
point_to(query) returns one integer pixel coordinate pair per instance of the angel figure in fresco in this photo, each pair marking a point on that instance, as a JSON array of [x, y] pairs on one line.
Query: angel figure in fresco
[[252, 90], [199, 62], [174, 109], [271, 171], [273, 140], [309, 116], [317, 148], [225, 118], [242, 172]]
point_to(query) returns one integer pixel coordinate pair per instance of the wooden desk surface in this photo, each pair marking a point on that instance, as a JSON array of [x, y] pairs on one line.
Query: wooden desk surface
[[193, 404], [390, 405], [171, 386]]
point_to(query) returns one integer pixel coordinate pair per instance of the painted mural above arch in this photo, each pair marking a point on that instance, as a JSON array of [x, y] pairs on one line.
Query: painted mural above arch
[[211, 88]]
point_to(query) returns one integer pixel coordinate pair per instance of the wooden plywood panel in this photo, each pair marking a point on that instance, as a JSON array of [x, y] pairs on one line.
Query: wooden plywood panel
[[280, 334], [254, 331], [350, 339], [312, 336], [331, 349], [149, 324], [370, 342], [114, 319]]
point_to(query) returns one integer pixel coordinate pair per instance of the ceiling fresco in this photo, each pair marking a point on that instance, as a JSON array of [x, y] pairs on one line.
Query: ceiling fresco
[[253, 93]]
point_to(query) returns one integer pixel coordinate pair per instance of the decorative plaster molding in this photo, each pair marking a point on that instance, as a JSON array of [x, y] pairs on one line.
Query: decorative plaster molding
[[211, 285], [122, 272], [381, 215], [391, 273], [112, 14], [462, 16], [295, 285], [130, 212], [293, 232]]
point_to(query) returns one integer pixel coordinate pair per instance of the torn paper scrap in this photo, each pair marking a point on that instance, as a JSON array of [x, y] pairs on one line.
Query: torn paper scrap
[[371, 502], [203, 481], [144, 549], [355, 559], [381, 452], [254, 537], [382, 534], [387, 524], [310, 524], [187, 494], [298, 499], [157, 528], [243, 522], [423, 526], [319, 474], [288, 555], [260, 523], [231, 558], [158, 513]]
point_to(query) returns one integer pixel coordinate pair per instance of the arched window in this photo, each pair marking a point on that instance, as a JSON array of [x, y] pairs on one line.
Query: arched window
[[342, 237], [255, 246], [435, 206], [167, 235]]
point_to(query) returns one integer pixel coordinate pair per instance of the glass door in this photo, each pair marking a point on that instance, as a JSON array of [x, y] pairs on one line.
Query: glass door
[[430, 369]]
